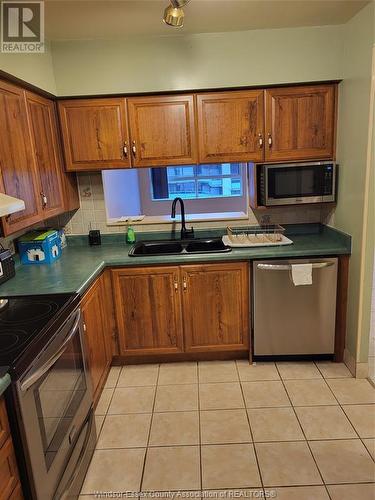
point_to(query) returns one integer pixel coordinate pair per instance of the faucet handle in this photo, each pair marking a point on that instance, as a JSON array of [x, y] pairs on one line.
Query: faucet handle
[[187, 233]]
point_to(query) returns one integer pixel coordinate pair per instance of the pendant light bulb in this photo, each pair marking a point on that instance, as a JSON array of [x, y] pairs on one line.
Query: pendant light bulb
[[177, 4], [174, 16]]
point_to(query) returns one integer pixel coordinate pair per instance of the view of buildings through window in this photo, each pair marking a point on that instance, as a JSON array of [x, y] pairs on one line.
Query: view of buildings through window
[[207, 189], [197, 182]]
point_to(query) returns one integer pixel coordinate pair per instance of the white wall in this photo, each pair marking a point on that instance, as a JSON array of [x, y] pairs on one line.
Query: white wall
[[211, 60], [352, 147], [33, 68]]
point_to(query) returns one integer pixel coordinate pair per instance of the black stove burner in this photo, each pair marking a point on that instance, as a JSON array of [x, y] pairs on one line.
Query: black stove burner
[[27, 320], [19, 312], [11, 339]]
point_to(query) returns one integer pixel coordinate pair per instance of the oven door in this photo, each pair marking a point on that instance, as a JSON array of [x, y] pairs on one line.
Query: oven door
[[299, 183], [55, 398]]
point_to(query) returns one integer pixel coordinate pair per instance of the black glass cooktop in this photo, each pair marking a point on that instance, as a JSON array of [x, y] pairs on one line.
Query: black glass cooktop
[[24, 319]]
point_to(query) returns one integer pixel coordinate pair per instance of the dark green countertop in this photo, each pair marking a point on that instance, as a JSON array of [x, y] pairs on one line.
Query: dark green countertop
[[80, 263], [4, 379]]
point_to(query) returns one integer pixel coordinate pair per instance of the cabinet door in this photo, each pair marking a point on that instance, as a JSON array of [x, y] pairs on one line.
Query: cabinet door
[[162, 130], [44, 139], [148, 310], [216, 307], [95, 133], [95, 329], [230, 126], [8, 470], [4, 425], [300, 122], [71, 195], [109, 314], [18, 177], [17, 493]]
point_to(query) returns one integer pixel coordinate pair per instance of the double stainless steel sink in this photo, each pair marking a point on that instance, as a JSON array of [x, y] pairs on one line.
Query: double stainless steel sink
[[177, 247]]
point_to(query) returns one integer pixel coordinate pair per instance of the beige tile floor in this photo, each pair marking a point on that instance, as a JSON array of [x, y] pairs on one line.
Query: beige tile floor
[[218, 429]]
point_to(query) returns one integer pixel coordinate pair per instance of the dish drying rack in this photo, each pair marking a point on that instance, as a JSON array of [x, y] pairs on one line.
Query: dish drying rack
[[249, 236]]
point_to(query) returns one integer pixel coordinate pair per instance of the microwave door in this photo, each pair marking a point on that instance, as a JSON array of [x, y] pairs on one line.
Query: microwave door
[[287, 185]]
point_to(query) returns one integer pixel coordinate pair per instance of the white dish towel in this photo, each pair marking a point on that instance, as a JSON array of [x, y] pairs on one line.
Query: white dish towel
[[302, 274]]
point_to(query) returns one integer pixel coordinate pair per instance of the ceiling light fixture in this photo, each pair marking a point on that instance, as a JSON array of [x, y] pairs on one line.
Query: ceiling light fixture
[[173, 14]]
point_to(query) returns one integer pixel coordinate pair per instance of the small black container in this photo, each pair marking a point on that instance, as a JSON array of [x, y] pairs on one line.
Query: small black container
[[7, 268], [94, 238]]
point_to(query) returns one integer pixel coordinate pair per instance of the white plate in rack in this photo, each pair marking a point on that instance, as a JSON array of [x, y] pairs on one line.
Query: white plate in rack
[[284, 241]]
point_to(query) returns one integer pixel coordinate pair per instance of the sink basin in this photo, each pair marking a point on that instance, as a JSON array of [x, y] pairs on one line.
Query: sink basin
[[209, 245], [156, 248], [173, 247]]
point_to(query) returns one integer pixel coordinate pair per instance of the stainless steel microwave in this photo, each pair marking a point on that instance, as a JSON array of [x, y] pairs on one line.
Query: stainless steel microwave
[[295, 183]]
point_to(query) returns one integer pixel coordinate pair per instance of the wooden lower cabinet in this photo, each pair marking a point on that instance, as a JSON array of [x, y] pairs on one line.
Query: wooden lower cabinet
[[4, 425], [216, 307], [148, 310], [182, 309], [17, 493], [10, 487], [97, 335]]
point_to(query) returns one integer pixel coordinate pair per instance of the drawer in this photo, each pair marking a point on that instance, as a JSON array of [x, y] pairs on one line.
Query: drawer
[[8, 471], [4, 425]]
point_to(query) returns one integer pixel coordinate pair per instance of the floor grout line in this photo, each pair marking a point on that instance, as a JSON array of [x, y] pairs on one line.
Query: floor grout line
[[246, 409], [149, 432], [251, 435], [200, 434], [303, 432], [342, 409]]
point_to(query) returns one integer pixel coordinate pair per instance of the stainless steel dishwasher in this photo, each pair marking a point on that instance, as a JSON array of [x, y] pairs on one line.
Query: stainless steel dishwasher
[[294, 320]]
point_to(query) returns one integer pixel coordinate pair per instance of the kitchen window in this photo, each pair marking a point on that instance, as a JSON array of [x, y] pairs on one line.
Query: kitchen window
[[221, 180], [210, 191]]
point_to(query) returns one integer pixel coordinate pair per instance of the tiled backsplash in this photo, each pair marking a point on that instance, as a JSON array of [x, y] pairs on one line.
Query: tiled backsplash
[[92, 214]]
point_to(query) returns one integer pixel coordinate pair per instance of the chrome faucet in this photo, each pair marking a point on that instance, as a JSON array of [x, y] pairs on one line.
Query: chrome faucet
[[185, 233]]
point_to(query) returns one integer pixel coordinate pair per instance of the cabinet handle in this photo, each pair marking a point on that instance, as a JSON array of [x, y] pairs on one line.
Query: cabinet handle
[[84, 327], [134, 149], [185, 284], [44, 200], [175, 284], [260, 140], [125, 149], [269, 140]]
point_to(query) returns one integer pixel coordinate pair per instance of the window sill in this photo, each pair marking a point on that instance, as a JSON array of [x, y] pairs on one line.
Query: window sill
[[166, 219]]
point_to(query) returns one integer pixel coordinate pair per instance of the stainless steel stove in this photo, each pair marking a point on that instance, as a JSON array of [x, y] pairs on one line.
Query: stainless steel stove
[[50, 399]]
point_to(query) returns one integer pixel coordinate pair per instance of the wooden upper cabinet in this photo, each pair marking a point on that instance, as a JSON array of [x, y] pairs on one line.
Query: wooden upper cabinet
[[280, 124], [148, 310], [95, 133], [300, 122], [162, 130], [231, 126], [18, 176], [45, 143], [216, 307]]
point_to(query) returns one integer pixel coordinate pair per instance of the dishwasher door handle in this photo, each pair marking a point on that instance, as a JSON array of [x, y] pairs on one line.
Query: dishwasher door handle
[[288, 267]]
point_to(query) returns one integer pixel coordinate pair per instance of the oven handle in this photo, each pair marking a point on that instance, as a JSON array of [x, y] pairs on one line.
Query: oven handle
[[26, 384], [288, 267]]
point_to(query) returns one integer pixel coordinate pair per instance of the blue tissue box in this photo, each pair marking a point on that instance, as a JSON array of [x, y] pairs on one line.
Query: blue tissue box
[[40, 247]]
